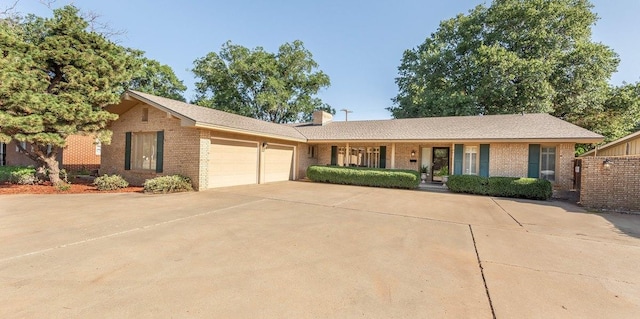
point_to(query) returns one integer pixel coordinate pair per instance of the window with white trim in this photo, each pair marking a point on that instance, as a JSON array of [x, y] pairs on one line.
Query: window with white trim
[[548, 163], [143, 150], [98, 147], [470, 162]]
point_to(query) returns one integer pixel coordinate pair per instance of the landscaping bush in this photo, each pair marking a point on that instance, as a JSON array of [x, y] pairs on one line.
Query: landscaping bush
[[109, 183], [377, 177], [471, 184], [18, 175], [168, 184], [531, 188]]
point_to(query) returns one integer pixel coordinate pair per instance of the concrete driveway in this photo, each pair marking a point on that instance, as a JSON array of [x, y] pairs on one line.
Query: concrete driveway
[[305, 250]]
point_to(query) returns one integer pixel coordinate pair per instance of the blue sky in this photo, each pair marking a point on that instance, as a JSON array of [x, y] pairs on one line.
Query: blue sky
[[359, 44]]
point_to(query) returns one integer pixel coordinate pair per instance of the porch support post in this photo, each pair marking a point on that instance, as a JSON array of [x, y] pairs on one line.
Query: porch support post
[[347, 156], [393, 155]]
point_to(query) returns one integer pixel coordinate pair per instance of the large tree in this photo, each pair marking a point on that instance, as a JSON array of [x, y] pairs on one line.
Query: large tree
[[277, 87], [55, 78], [514, 56], [156, 78]]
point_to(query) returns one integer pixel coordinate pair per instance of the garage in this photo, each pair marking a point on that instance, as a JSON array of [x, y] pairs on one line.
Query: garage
[[278, 163], [232, 163]]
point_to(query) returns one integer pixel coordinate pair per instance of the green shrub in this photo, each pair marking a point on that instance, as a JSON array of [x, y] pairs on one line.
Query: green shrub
[[18, 175], [63, 187], [109, 183], [377, 177], [168, 184], [531, 188], [471, 184]]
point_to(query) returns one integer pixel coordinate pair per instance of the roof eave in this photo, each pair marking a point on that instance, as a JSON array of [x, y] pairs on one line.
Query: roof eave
[[246, 132], [613, 143], [184, 120], [479, 140]]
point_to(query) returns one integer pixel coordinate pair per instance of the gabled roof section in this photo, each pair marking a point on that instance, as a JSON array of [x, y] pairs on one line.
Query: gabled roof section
[[530, 127], [205, 117], [489, 128], [617, 142]]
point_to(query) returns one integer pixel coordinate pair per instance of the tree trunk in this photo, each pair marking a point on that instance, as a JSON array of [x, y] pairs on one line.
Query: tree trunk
[[54, 170]]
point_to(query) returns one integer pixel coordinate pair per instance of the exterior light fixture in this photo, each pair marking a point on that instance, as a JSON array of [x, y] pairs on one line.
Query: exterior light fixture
[[607, 163], [265, 145], [413, 154]]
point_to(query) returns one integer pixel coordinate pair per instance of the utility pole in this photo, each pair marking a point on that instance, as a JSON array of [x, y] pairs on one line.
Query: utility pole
[[346, 114]]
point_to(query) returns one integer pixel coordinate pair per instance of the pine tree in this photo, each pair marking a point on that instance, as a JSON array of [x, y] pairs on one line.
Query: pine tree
[[56, 77]]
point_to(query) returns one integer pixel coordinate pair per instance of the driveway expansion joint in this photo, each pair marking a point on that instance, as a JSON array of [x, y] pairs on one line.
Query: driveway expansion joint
[[504, 210], [484, 280], [561, 272], [140, 228]]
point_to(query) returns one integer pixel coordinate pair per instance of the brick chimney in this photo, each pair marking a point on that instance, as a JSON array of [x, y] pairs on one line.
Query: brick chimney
[[321, 117]]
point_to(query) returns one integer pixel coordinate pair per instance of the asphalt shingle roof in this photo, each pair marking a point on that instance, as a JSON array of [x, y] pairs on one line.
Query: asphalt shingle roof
[[209, 116], [489, 127]]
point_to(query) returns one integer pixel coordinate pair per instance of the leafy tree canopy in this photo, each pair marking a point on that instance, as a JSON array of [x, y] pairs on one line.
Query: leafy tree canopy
[[516, 56], [55, 78], [277, 87], [158, 79]]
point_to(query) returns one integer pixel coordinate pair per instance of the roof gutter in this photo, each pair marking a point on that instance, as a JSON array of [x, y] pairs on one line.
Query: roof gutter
[[495, 140], [247, 132]]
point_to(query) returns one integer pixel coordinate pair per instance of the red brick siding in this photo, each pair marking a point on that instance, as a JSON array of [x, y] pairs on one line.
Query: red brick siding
[[80, 154]]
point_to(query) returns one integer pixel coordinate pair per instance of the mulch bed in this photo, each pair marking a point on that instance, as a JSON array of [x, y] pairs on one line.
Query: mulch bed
[[78, 186]]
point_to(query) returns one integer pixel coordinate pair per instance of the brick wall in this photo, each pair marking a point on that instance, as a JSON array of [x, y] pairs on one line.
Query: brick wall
[[15, 158], [614, 188], [512, 160], [508, 159], [181, 146], [80, 154], [305, 160]]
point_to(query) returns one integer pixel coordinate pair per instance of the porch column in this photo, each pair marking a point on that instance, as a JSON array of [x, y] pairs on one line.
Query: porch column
[[393, 155], [347, 156]]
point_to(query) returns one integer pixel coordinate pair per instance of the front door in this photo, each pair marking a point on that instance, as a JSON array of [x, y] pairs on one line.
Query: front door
[[440, 162]]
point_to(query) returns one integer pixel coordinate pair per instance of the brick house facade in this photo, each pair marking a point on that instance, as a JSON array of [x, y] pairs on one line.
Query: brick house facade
[[157, 136]]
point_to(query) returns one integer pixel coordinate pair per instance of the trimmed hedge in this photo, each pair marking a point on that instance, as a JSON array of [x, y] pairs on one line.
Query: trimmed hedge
[[18, 175], [168, 184], [377, 177], [531, 188]]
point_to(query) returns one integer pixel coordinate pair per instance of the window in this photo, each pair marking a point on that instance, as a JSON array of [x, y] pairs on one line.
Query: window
[[3, 154], [145, 114], [359, 156], [143, 150], [548, 163], [98, 147], [24, 146], [470, 165], [312, 151]]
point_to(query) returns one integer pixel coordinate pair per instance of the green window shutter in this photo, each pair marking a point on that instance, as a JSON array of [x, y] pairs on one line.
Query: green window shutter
[[534, 161], [383, 157], [159, 151], [127, 151], [484, 160], [334, 155], [458, 155]]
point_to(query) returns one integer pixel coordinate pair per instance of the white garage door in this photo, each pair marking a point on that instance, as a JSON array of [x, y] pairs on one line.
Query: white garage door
[[232, 163], [278, 163]]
